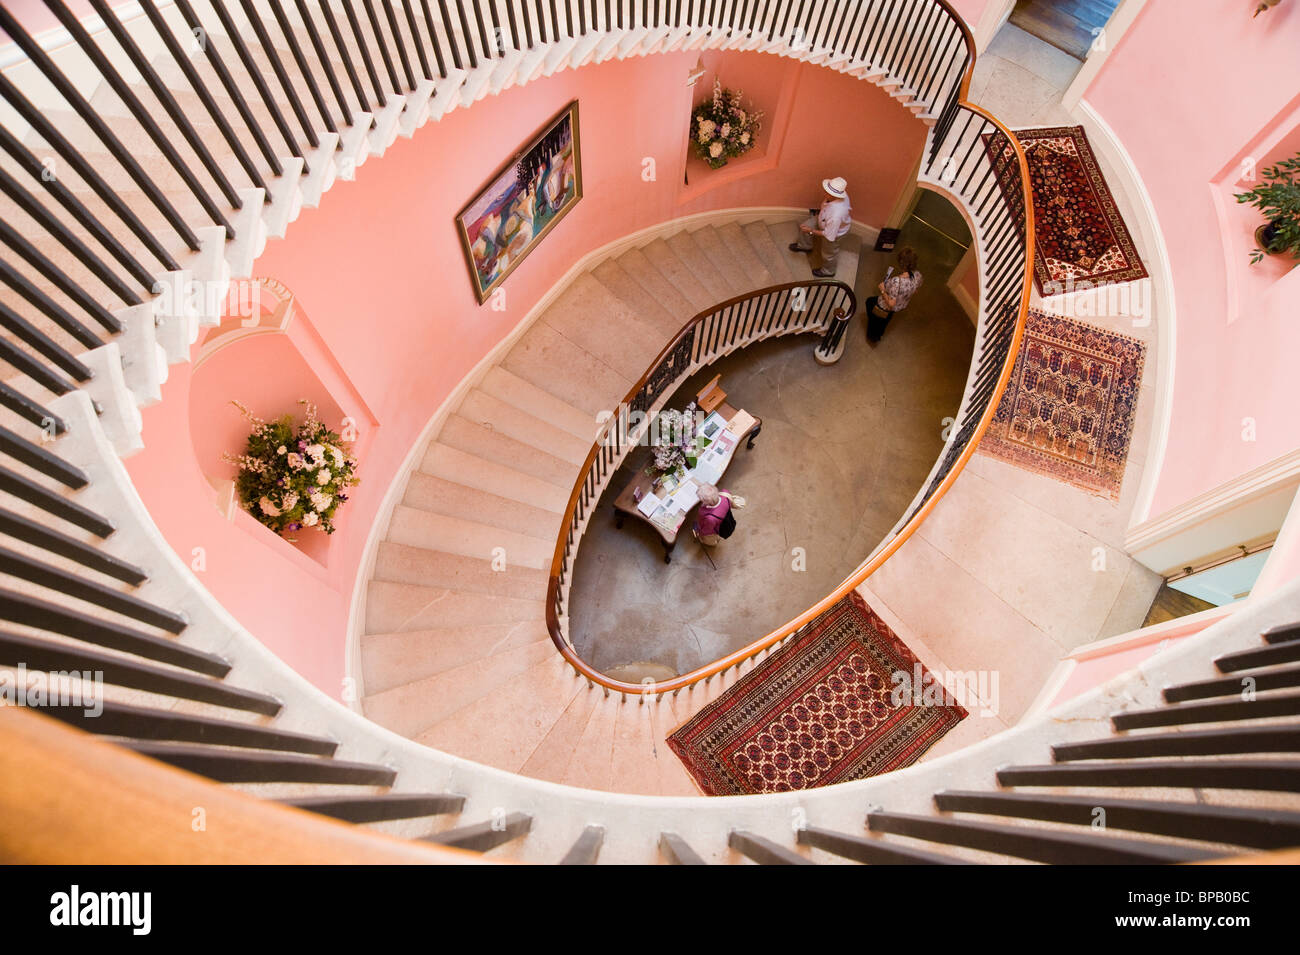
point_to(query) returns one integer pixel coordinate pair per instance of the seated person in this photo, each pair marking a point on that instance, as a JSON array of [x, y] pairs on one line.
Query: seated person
[[714, 506]]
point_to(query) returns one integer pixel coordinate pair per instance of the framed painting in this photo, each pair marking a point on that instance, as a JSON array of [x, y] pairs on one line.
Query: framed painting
[[522, 202]]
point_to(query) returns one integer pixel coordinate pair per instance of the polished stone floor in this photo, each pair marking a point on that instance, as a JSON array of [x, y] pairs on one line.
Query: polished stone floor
[[843, 451]]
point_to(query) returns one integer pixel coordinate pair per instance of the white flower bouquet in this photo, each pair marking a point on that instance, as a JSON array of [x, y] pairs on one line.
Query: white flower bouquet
[[721, 128], [291, 475]]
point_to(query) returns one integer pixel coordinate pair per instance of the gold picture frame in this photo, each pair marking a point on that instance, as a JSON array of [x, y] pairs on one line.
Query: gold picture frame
[[522, 202]]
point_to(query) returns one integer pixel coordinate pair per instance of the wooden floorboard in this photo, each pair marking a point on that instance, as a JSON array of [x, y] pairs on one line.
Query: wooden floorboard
[[1066, 24]]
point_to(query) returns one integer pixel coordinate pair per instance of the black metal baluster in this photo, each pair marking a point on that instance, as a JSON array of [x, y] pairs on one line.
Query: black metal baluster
[[277, 67], [41, 343], [848, 21], [340, 44], [32, 166], [415, 39], [450, 33], [232, 90], [70, 241], [929, 39], [938, 53], [308, 74], [57, 277], [377, 31], [98, 126], [489, 50], [555, 20], [255, 74], [48, 307], [317, 44], [514, 26], [65, 150], [366, 59], [541, 19], [398, 42], [433, 40], [147, 122], [25, 364], [528, 23]]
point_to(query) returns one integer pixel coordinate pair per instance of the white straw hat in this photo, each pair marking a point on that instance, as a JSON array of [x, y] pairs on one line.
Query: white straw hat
[[837, 187]]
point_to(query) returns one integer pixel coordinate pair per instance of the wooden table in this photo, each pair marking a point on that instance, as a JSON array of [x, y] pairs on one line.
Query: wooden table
[[627, 500]]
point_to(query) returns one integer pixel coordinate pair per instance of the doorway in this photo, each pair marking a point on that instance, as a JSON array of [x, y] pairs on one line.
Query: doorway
[[1068, 25]]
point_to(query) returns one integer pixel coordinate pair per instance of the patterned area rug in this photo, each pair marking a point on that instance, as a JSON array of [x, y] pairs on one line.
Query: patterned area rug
[[1080, 237], [821, 710], [1069, 407]]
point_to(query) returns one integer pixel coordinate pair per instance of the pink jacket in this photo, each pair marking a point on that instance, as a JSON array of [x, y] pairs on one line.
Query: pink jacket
[[709, 519]]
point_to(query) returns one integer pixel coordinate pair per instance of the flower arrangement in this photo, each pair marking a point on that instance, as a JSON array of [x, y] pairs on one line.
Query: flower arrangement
[[291, 475], [722, 129], [674, 446]]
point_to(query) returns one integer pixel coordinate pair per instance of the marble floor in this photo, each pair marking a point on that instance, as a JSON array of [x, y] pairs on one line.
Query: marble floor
[[843, 451]]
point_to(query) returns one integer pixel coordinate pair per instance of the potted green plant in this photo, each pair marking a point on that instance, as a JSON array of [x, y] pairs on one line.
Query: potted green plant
[[1278, 197]]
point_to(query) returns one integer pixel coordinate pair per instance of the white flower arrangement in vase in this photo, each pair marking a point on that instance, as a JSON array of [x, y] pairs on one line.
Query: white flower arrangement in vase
[[721, 128]]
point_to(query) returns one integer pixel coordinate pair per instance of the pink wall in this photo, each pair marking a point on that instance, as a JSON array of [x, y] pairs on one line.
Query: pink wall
[[1190, 97], [379, 269]]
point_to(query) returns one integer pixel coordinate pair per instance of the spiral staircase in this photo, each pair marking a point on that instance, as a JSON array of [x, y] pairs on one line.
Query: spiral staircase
[[118, 254]]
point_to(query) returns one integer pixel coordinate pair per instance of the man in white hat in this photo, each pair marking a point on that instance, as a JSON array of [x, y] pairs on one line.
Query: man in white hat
[[829, 225]]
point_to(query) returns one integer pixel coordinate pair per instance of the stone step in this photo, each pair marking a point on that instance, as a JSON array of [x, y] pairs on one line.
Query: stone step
[[484, 442], [414, 707], [468, 538], [681, 276], [429, 493], [462, 467], [637, 264], [395, 659], [545, 358], [635, 296], [541, 404], [550, 760], [764, 245], [392, 606], [592, 764], [529, 703], [725, 262], [756, 273], [402, 563], [715, 285], [594, 318], [506, 419]]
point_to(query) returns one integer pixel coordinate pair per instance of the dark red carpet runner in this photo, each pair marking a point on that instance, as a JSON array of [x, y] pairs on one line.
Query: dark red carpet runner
[[834, 704]]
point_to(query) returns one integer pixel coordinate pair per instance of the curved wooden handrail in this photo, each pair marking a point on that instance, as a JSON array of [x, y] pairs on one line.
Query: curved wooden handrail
[[65, 814], [870, 566]]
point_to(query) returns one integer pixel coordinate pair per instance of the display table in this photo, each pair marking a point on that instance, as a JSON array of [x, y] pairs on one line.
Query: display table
[[668, 509]]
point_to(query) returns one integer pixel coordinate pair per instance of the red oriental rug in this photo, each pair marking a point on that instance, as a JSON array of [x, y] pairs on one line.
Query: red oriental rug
[[1069, 407], [1080, 237], [819, 711]]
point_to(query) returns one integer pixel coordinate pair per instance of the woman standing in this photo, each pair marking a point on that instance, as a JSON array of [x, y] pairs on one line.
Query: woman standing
[[895, 292]]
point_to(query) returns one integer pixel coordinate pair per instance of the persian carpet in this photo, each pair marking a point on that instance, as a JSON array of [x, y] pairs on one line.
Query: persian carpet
[[821, 710], [1069, 407], [1080, 236]]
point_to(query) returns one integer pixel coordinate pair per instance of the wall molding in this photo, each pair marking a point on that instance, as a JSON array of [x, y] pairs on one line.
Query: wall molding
[[397, 486], [1272, 476]]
